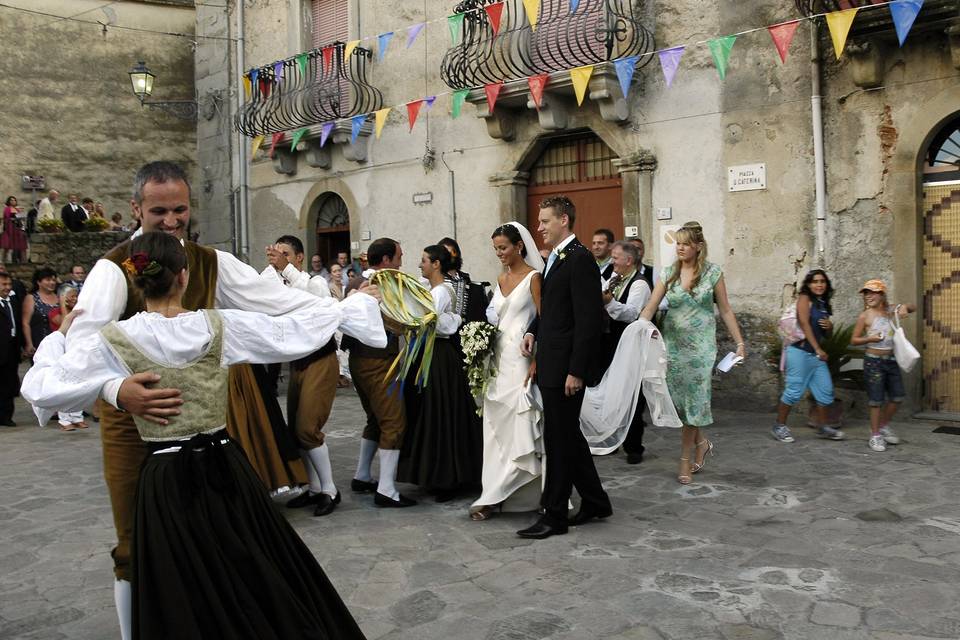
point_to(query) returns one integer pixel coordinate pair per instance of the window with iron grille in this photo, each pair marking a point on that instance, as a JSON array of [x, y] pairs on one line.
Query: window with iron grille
[[569, 161], [330, 22]]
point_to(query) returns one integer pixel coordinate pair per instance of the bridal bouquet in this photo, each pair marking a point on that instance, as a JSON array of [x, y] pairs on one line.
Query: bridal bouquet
[[477, 339]]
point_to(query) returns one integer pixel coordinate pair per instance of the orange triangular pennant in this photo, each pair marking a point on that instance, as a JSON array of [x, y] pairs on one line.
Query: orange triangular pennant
[[492, 90], [413, 110], [782, 35], [537, 84], [494, 12]]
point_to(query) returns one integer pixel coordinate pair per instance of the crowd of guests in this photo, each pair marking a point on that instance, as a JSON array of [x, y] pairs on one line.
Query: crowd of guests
[[18, 224]]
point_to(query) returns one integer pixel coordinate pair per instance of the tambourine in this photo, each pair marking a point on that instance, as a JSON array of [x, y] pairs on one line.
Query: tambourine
[[407, 309]]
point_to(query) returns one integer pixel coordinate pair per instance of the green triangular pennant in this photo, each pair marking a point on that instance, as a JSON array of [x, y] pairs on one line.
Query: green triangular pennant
[[720, 48], [302, 63], [296, 138], [455, 22], [458, 98]]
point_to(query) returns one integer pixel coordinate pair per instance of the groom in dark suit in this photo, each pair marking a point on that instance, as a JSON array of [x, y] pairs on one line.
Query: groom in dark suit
[[568, 333], [11, 346]]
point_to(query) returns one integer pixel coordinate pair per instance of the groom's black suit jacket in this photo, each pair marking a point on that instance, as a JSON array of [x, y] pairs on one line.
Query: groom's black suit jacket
[[570, 325]]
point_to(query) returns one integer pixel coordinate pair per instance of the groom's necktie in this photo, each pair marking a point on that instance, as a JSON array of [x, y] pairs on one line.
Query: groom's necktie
[[550, 261]]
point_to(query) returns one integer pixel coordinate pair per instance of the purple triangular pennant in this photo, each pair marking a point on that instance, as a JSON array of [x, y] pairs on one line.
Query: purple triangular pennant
[[429, 100], [413, 32], [670, 61], [325, 132]]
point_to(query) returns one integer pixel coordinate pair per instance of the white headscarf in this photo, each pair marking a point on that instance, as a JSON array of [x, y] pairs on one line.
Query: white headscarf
[[533, 257]]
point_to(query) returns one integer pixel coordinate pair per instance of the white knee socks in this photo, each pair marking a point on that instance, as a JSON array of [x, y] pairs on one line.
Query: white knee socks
[[389, 460], [368, 449], [315, 485], [123, 598], [320, 457]]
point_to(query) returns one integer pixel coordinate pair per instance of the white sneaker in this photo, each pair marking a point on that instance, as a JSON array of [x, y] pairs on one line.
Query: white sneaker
[[889, 436], [877, 443]]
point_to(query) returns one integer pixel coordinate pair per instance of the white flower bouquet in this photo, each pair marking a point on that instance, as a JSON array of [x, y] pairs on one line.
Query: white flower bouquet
[[476, 340]]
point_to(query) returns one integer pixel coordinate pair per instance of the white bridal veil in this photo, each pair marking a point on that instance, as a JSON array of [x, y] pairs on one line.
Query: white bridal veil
[[533, 255]]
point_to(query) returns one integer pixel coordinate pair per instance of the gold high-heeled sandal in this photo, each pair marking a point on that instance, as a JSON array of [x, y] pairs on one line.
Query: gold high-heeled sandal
[[697, 466], [684, 478]]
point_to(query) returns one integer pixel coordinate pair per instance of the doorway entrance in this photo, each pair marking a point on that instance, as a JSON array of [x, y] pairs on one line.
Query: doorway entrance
[[941, 271], [582, 169], [332, 230]]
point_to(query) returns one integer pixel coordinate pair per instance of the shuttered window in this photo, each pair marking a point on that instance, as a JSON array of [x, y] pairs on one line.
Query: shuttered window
[[330, 22]]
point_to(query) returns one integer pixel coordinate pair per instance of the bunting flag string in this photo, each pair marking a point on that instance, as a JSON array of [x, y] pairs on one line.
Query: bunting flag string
[[327, 53], [413, 32], [532, 8], [265, 87], [255, 145], [254, 74], [278, 72], [537, 84], [247, 86], [494, 12], [275, 139], [839, 23], [720, 50], [625, 68], [782, 35], [457, 102], [493, 92], [356, 123], [298, 136], [429, 100], [413, 109], [670, 62], [383, 41], [302, 63], [348, 50], [573, 5], [904, 13], [325, 132], [581, 78], [455, 23], [380, 119]]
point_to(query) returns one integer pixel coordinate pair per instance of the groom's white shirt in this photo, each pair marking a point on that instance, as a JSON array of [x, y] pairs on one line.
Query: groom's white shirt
[[560, 247]]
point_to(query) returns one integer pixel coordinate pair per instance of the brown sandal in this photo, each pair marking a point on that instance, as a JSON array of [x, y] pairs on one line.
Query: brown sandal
[[483, 513], [67, 427], [80, 425]]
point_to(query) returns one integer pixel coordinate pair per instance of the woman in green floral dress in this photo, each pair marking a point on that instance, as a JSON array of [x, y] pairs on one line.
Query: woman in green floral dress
[[691, 286]]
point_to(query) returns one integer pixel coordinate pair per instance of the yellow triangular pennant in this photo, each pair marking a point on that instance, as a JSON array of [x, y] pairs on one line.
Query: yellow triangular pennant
[[349, 49], [839, 23], [381, 119], [532, 8], [247, 87], [255, 146], [581, 78]]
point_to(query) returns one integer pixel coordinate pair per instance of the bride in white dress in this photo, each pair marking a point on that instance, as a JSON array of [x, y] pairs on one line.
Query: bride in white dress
[[512, 446]]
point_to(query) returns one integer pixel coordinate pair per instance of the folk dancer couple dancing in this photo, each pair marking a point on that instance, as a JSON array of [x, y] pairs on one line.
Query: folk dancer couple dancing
[[560, 310], [183, 495]]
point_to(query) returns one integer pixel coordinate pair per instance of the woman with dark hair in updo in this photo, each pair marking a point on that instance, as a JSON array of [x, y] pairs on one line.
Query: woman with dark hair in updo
[[442, 447], [212, 557]]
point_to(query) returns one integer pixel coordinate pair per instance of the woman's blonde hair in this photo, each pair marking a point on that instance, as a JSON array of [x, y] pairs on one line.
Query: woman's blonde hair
[[690, 232]]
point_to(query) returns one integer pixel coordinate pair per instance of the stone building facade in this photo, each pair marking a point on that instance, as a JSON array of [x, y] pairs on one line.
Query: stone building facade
[[659, 157], [69, 113]]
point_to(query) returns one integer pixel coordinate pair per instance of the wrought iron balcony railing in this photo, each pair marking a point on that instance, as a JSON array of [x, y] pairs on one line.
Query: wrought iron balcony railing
[[598, 31], [313, 93], [877, 22]]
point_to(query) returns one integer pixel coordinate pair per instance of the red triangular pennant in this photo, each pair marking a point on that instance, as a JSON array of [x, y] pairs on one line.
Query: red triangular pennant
[[782, 35], [265, 87], [494, 12], [492, 90], [327, 58], [413, 110], [537, 83], [275, 140]]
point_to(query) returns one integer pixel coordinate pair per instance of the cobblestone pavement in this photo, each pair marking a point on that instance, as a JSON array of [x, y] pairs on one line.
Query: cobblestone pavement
[[814, 539]]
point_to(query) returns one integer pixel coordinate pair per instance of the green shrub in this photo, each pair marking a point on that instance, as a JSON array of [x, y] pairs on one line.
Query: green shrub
[[51, 225]]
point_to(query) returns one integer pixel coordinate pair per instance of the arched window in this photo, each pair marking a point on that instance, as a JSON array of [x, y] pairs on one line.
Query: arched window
[[943, 156], [332, 214]]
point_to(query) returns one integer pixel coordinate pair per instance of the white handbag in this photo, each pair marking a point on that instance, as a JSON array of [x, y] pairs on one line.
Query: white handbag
[[906, 354]]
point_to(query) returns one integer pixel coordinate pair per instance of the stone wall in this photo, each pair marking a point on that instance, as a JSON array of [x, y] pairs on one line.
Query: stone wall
[[61, 251], [69, 113]]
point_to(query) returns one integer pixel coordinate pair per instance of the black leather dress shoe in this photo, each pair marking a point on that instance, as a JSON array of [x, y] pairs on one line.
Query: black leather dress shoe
[[326, 504], [8, 423], [305, 499], [634, 458], [541, 530], [384, 501], [362, 486], [586, 514]]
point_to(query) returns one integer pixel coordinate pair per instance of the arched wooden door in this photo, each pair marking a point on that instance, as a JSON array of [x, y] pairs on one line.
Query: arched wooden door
[[582, 169], [332, 228], [941, 272]]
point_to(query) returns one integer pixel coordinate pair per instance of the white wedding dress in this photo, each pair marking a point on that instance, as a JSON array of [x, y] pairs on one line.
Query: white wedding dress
[[512, 445]]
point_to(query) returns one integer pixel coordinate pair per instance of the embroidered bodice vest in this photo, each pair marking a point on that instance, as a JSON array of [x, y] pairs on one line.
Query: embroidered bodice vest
[[202, 383]]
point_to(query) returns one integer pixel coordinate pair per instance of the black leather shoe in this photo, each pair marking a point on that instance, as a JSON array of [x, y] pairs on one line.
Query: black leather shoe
[[326, 504], [586, 514], [634, 458], [305, 499], [541, 530], [8, 423], [384, 501], [362, 486]]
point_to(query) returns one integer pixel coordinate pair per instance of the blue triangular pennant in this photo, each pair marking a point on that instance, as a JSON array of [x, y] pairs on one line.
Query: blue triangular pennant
[[625, 68], [383, 41], [356, 123], [904, 12]]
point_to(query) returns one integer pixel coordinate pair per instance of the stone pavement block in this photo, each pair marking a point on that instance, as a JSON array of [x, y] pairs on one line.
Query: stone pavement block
[[835, 614]]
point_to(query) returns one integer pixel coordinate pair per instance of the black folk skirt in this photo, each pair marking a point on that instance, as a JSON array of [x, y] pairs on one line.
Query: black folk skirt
[[443, 442], [214, 559]]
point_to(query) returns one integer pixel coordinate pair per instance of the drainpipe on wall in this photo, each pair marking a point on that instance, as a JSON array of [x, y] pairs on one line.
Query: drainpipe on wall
[[818, 154], [243, 193], [453, 189]]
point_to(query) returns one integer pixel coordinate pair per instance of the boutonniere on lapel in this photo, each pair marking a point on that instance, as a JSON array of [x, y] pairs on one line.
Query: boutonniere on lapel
[[563, 254]]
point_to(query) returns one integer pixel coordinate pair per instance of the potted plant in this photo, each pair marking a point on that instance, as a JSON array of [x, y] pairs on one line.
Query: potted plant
[[51, 225], [96, 224]]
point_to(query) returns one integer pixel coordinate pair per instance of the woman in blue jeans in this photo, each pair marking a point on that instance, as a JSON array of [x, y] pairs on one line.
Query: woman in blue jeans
[[806, 361]]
